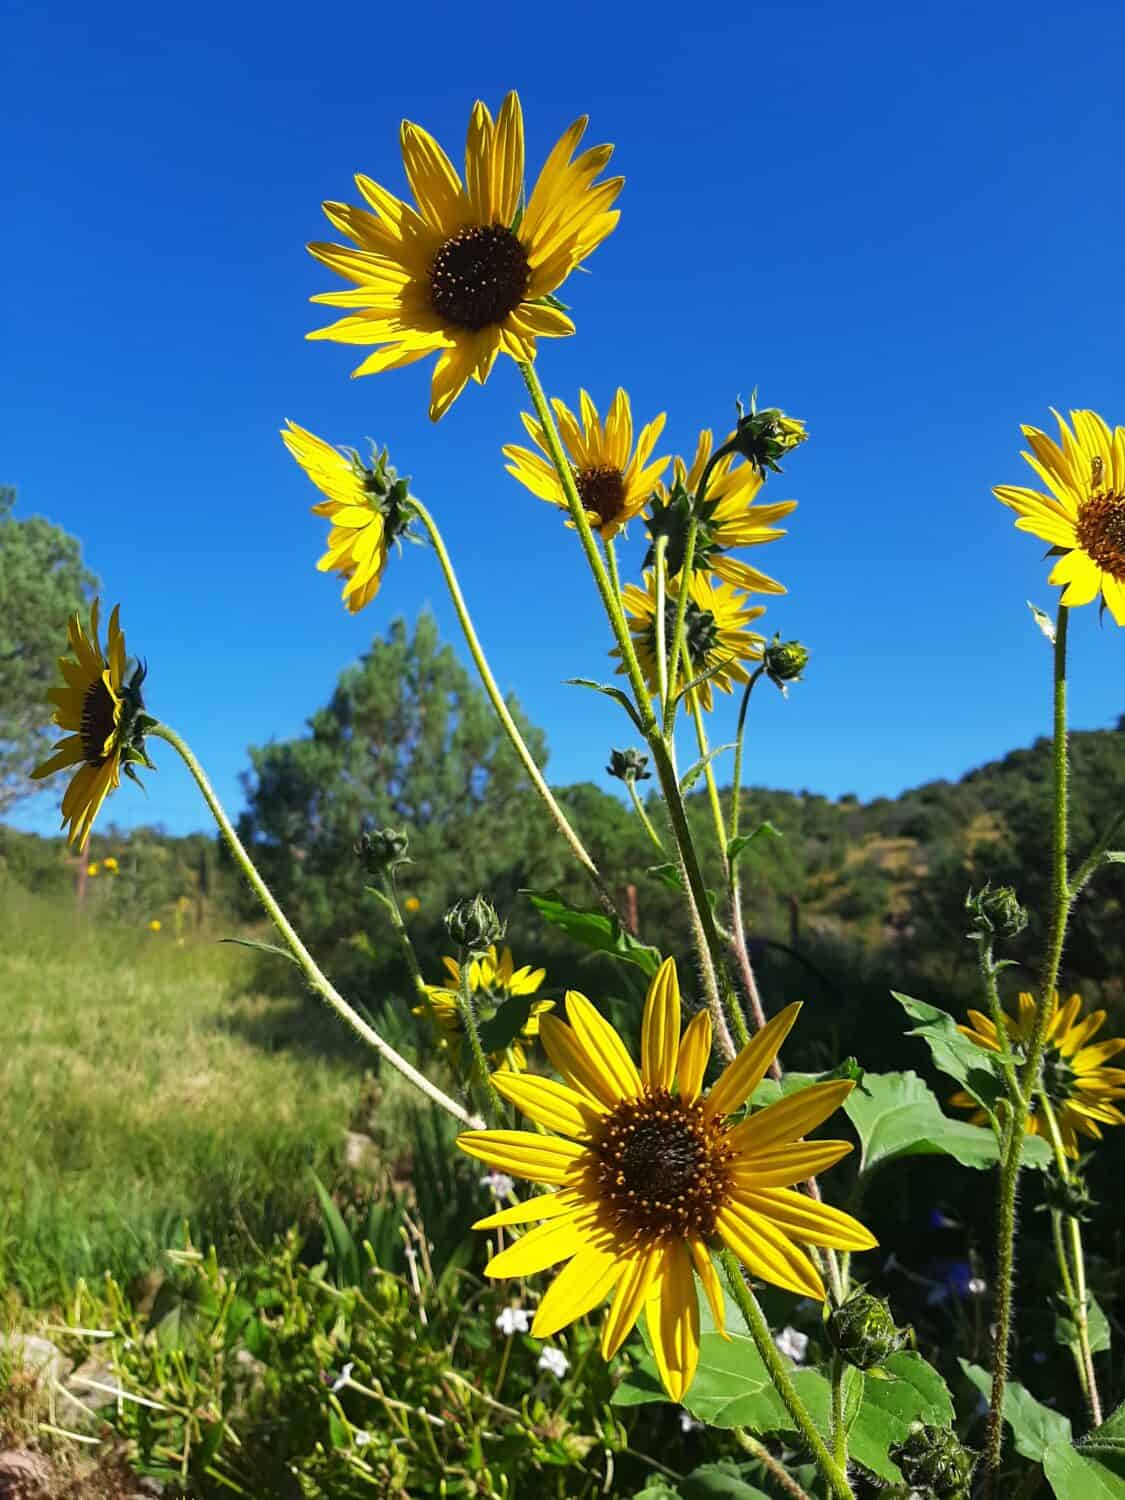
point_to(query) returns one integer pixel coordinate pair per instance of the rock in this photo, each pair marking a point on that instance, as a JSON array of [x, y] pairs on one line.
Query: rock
[[86, 1401], [360, 1153], [34, 1355], [23, 1472]]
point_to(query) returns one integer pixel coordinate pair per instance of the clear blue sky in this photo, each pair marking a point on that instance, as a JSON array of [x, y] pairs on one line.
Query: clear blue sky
[[903, 224]]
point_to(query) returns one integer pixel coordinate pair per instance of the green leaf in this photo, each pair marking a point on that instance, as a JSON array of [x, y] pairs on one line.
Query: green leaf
[[1044, 621], [262, 947], [657, 1489], [594, 929], [1110, 1435], [1035, 1427], [896, 1115], [668, 875], [1066, 1332], [693, 773], [610, 692], [510, 1018], [914, 1392], [719, 1481], [953, 1052], [345, 1252], [1114, 856], [769, 1091], [1073, 1476], [736, 846]]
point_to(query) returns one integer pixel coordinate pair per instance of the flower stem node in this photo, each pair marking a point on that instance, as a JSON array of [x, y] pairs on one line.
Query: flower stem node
[[785, 661], [933, 1460], [629, 766], [995, 911], [863, 1331], [474, 925], [382, 849], [764, 437]]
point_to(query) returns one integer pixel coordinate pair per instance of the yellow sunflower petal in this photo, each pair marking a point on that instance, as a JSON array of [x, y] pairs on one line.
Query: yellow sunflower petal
[[660, 1030], [558, 1239], [767, 1253], [540, 1158], [629, 1298], [705, 1269], [807, 1220], [603, 1047], [741, 1077], [569, 1057], [695, 1052], [539, 1206], [549, 1103], [785, 1165], [672, 1312], [580, 1285], [790, 1118]]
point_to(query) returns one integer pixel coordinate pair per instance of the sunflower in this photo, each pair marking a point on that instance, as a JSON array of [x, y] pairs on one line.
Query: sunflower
[[1080, 1089], [367, 506], [728, 518], [471, 271], [1084, 515], [493, 981], [614, 482], [106, 719], [715, 636], [649, 1175]]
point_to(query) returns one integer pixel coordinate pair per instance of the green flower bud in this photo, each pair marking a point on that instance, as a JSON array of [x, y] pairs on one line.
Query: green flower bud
[[764, 437], [995, 911], [382, 849], [473, 925], [863, 1332], [629, 765], [1069, 1194], [932, 1459], [784, 661]]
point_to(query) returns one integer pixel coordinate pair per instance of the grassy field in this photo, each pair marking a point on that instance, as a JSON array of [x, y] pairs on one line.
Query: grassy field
[[144, 1083]]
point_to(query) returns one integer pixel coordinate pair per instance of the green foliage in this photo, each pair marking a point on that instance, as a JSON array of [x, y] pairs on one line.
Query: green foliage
[[896, 1115], [42, 582], [594, 929]]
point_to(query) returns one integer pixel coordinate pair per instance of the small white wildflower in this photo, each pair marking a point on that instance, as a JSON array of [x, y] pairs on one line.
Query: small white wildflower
[[499, 1184], [977, 1286], [362, 1437], [513, 1320], [688, 1422], [793, 1344], [344, 1376], [555, 1362]]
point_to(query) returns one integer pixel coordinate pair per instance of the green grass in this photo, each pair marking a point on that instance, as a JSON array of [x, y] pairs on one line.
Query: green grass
[[142, 1084]]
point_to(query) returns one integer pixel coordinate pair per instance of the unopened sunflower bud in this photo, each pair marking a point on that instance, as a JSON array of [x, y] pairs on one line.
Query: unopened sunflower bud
[[863, 1332], [995, 911], [1068, 1195], [765, 437], [785, 661], [629, 765], [473, 925], [382, 849], [933, 1460]]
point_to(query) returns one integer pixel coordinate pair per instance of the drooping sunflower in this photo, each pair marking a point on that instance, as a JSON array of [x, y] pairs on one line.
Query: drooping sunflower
[[715, 634], [367, 507], [1078, 1085], [649, 1175], [614, 481], [728, 518], [1083, 517], [105, 719], [493, 981], [471, 271]]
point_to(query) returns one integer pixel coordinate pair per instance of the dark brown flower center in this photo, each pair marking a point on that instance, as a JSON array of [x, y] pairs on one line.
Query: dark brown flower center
[[1101, 531], [97, 722], [661, 1167], [478, 276], [602, 490]]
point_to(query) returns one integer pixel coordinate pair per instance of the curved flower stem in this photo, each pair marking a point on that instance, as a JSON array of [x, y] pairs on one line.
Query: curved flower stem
[[1017, 1116], [839, 1430], [481, 1069], [675, 645], [988, 973], [661, 560], [1076, 1289], [771, 1357], [317, 980], [562, 823], [646, 823], [780, 1473], [388, 896], [708, 770]]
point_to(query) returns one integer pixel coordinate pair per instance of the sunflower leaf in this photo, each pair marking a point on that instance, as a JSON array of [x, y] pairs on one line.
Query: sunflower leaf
[[1035, 1427], [896, 1115], [1070, 1474], [594, 929], [1044, 621], [693, 773], [737, 846], [610, 692], [262, 947], [510, 1019], [1114, 856], [953, 1053], [1066, 1333]]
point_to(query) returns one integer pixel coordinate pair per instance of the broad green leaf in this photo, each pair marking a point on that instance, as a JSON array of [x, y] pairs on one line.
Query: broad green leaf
[[693, 773], [261, 947], [609, 691], [506, 1024], [1035, 1427], [1110, 1435], [668, 874], [737, 846], [769, 1091], [953, 1053], [1067, 1333], [1073, 1476], [594, 929], [914, 1392], [895, 1115], [658, 1489], [719, 1481]]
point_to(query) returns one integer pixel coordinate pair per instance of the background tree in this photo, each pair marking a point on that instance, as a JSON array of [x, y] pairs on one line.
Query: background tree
[[42, 580]]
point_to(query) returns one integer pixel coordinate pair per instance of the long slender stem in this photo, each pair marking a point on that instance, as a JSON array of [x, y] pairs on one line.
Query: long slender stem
[[839, 1428], [317, 980], [1017, 1121], [660, 622], [771, 1357], [1094, 858], [496, 698], [639, 809], [780, 1473], [1077, 1292], [708, 770], [996, 1011], [389, 898]]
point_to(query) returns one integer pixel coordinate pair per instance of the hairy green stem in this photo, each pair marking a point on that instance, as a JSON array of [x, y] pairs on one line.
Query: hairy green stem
[[660, 623], [496, 698], [777, 1469], [317, 980], [988, 973], [1018, 1114], [839, 1429], [481, 1070], [639, 809], [833, 1472], [389, 897]]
